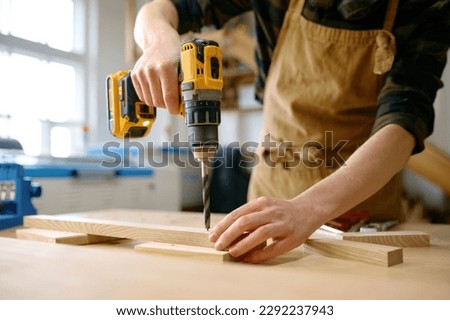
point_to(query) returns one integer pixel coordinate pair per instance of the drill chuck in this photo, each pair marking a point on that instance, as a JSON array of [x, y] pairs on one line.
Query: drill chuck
[[202, 117]]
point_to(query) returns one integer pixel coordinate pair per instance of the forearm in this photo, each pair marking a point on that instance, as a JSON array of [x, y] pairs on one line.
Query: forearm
[[290, 223], [153, 20], [155, 74], [370, 167]]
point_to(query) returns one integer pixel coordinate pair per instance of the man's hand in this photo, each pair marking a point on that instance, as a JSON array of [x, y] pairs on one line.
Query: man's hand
[[155, 75], [284, 222]]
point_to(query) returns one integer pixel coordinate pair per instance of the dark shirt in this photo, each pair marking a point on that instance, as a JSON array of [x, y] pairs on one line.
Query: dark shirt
[[422, 31]]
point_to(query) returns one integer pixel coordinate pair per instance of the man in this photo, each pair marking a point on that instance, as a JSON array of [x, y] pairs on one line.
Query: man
[[347, 88]]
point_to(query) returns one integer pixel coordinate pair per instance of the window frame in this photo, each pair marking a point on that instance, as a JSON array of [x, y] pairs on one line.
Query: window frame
[[76, 58]]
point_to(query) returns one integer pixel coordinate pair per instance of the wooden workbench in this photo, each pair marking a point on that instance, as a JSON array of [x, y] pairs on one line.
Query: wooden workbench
[[36, 270]]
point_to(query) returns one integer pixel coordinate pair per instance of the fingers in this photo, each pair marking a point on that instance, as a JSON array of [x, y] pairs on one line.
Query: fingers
[[231, 218], [149, 87], [262, 219], [273, 250], [157, 84], [258, 224], [248, 248], [253, 240], [255, 217], [170, 91]]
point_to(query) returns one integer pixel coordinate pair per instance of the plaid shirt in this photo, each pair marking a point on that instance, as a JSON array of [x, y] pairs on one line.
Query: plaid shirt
[[422, 31]]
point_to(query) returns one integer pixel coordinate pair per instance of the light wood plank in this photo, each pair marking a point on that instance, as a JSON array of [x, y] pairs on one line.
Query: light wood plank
[[183, 250], [390, 238], [53, 236], [135, 231], [433, 164], [352, 250], [191, 251]]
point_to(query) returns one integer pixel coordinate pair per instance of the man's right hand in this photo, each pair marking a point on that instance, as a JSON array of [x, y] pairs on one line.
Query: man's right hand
[[155, 75]]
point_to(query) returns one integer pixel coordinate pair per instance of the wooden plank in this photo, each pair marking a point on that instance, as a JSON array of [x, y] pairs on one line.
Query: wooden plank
[[191, 251], [390, 238], [433, 164], [183, 250], [352, 250], [53, 236], [135, 231]]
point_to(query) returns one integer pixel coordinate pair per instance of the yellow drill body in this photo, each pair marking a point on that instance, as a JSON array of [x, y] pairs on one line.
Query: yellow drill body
[[200, 97]]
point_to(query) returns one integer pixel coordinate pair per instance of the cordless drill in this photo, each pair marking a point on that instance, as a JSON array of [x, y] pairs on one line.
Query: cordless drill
[[201, 84]]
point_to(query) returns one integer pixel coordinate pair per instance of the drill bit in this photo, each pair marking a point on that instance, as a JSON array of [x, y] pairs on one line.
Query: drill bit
[[206, 195]]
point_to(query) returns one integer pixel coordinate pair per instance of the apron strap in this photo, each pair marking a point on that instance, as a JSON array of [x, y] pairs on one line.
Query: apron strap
[[385, 41], [391, 13]]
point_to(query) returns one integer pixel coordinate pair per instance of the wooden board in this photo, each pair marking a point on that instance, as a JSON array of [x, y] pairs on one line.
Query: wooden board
[[352, 250], [390, 238], [195, 237], [433, 164], [135, 231], [53, 236], [164, 239], [183, 250]]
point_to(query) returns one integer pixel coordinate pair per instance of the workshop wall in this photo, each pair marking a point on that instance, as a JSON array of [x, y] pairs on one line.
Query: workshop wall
[[441, 135]]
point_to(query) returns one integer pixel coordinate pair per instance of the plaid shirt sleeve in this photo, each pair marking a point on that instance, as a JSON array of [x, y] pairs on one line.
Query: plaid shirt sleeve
[[422, 32], [195, 14]]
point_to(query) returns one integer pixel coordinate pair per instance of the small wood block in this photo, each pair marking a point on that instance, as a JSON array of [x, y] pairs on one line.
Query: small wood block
[[352, 250], [390, 238], [183, 250], [53, 236], [135, 231]]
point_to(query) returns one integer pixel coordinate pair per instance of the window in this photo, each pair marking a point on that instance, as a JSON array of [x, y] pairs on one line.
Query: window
[[42, 67]]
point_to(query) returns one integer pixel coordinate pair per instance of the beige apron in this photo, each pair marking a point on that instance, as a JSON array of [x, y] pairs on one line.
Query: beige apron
[[319, 106]]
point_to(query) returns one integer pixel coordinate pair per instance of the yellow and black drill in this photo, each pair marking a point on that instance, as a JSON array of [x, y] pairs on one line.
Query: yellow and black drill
[[201, 83]]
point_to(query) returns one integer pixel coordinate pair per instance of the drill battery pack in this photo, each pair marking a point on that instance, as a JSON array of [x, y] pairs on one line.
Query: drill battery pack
[[128, 117]]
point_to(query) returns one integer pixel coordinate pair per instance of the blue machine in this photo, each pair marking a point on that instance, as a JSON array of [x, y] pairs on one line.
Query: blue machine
[[16, 191]]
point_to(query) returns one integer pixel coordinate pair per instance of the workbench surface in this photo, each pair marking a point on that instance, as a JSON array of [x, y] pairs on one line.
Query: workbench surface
[[36, 270]]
